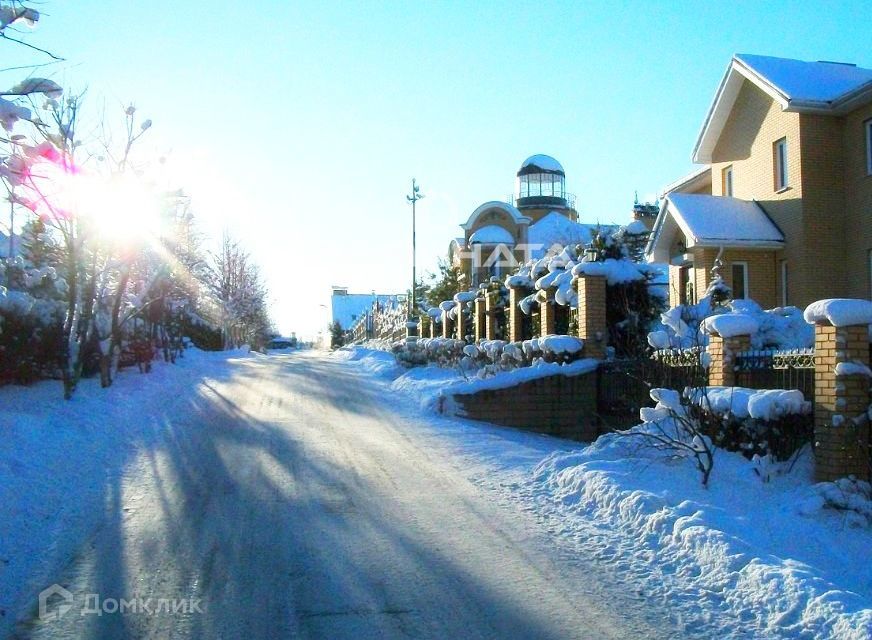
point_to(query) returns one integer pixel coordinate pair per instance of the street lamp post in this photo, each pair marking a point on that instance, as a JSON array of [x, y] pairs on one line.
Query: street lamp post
[[412, 320]]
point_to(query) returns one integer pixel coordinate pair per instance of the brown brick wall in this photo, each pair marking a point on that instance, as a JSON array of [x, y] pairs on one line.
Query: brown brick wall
[[592, 315], [490, 321], [723, 352], [858, 204], [840, 449], [762, 272], [755, 123], [515, 322], [823, 208], [563, 406], [447, 326], [547, 312], [480, 319]]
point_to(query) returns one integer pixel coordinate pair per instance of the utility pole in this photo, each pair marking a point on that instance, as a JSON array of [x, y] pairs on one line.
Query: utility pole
[[416, 195]]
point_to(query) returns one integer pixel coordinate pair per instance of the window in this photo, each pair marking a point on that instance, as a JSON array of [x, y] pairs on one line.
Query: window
[[740, 280], [779, 152], [784, 283], [727, 181], [868, 126], [685, 286]]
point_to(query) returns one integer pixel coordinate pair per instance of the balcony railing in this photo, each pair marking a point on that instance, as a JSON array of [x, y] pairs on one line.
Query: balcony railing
[[545, 200]]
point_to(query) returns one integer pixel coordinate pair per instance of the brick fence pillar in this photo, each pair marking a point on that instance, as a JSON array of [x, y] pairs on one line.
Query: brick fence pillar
[[592, 315], [462, 322], [840, 397], [480, 319], [516, 294], [490, 307], [547, 314], [722, 353], [447, 325]]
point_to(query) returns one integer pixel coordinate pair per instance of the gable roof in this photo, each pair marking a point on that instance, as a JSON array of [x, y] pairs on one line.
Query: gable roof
[[504, 207], [806, 87], [711, 221], [698, 179]]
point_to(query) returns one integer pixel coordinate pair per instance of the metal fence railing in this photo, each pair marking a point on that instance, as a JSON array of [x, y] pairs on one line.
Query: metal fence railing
[[768, 369]]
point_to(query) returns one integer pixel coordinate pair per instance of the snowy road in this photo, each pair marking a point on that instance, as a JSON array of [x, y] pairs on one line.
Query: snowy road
[[290, 499]]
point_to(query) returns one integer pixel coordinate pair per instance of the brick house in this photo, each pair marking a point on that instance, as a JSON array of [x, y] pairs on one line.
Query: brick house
[[785, 193]]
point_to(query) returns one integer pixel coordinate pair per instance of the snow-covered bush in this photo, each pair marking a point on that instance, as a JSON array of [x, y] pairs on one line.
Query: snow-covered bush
[[779, 328], [765, 426], [676, 429], [632, 304], [772, 423]]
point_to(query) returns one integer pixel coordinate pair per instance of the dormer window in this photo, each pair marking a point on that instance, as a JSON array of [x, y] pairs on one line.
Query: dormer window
[[779, 155]]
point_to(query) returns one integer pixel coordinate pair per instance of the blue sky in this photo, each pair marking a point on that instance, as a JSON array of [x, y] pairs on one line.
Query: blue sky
[[299, 125]]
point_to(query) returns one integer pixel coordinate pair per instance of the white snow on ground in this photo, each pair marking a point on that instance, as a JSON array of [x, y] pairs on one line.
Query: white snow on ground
[[742, 559], [57, 457]]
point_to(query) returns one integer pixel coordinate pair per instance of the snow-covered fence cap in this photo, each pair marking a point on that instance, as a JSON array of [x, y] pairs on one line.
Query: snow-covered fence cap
[[730, 325], [839, 312], [447, 305]]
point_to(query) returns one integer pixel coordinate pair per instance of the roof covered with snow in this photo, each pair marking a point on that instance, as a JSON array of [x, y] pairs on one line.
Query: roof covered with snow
[[491, 234], [540, 162], [712, 221], [813, 87], [807, 81], [556, 228]]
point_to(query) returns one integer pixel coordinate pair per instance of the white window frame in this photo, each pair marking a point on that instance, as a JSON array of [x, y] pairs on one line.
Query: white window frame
[[727, 181], [779, 157], [784, 276], [744, 265], [868, 127]]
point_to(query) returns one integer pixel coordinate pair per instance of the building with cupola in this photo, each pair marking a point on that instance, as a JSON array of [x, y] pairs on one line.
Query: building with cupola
[[539, 217]]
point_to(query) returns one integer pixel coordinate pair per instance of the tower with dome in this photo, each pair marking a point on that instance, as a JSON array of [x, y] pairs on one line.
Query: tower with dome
[[538, 218]]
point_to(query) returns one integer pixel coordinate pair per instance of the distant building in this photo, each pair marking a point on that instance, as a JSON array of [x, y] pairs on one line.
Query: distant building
[[347, 308], [498, 235]]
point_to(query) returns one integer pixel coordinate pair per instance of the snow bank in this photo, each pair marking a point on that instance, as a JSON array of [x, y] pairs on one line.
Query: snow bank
[[839, 312], [770, 555], [432, 384], [375, 361]]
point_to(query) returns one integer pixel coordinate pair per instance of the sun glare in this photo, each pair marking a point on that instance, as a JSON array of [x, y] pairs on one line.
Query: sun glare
[[120, 209]]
